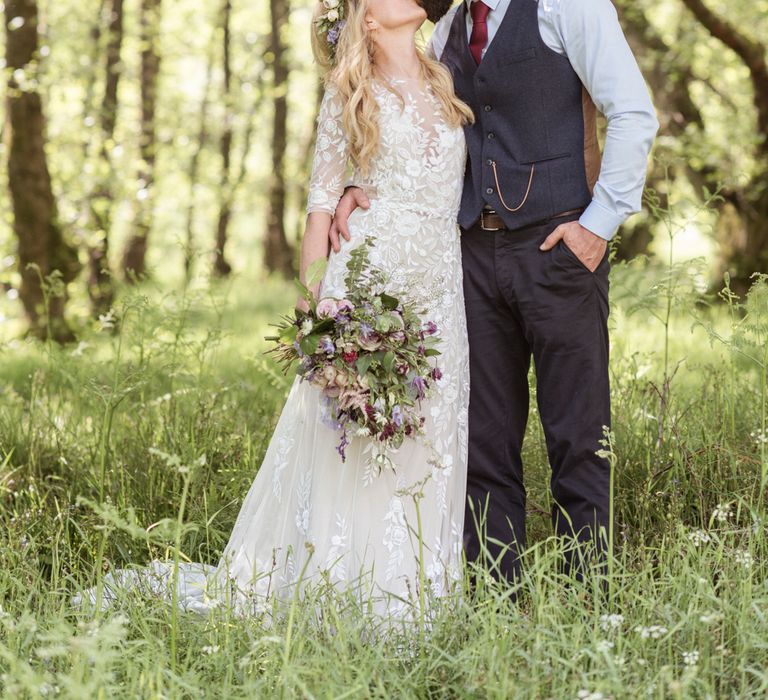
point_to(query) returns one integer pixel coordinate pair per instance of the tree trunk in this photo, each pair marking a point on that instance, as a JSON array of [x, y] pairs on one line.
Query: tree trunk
[[221, 268], [278, 254], [41, 243], [134, 258], [100, 283]]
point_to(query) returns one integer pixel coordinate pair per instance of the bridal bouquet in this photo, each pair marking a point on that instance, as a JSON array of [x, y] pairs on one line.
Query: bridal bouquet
[[369, 356]]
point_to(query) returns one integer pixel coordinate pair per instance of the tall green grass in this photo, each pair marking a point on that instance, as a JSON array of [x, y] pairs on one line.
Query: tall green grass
[[92, 438]]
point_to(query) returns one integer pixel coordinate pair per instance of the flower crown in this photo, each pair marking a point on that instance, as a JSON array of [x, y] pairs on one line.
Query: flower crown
[[331, 23]]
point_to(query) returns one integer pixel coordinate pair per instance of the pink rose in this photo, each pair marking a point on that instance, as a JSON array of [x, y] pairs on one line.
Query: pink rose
[[327, 308]]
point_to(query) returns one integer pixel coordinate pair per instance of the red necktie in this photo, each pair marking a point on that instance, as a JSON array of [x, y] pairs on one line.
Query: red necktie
[[479, 11]]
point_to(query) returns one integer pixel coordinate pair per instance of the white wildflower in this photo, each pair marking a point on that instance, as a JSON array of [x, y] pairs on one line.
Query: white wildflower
[[722, 512], [690, 658], [652, 632], [743, 558], [709, 618], [760, 437], [591, 695], [611, 622], [82, 346], [604, 646], [210, 649], [699, 537], [107, 321]]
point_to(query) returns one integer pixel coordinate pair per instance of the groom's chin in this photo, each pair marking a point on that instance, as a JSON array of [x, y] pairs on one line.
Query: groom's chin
[[436, 9]]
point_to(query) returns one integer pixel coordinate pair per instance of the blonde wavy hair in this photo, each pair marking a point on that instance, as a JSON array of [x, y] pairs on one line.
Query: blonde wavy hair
[[352, 74]]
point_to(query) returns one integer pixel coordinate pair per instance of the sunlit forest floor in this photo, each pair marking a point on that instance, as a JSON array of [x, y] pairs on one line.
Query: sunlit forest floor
[[87, 484]]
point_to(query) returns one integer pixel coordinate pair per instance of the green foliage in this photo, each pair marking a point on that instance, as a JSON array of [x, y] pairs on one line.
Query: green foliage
[[143, 444]]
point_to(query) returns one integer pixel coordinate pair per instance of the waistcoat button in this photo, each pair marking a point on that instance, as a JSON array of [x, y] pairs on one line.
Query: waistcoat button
[[487, 108], [489, 190], [491, 135]]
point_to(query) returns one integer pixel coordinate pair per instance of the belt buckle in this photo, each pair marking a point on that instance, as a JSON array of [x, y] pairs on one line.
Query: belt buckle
[[482, 221]]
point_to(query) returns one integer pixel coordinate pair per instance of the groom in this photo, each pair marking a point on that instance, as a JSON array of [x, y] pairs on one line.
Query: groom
[[539, 206]]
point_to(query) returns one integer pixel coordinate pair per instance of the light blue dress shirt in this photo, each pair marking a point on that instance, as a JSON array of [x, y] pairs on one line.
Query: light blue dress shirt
[[589, 34]]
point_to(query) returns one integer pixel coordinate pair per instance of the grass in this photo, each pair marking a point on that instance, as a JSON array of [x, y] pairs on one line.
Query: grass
[[91, 438]]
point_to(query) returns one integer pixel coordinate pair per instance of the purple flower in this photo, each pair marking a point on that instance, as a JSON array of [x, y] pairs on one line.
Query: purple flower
[[327, 346], [430, 328], [419, 387], [333, 33], [298, 349], [437, 374], [397, 415]]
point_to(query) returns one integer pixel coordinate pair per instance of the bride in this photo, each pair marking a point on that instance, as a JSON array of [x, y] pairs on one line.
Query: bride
[[390, 112]]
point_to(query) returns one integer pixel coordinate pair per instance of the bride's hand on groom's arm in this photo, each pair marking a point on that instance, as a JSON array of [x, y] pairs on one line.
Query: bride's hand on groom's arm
[[352, 198]]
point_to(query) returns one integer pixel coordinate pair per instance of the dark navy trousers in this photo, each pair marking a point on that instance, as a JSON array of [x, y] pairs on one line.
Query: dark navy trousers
[[525, 303]]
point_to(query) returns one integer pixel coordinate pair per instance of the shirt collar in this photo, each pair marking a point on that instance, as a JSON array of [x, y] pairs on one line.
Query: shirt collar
[[493, 4]]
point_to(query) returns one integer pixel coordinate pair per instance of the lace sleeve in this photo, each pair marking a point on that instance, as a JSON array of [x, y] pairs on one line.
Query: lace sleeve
[[329, 167]]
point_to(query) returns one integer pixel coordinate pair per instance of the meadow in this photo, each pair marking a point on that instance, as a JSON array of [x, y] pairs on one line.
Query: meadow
[[141, 441]]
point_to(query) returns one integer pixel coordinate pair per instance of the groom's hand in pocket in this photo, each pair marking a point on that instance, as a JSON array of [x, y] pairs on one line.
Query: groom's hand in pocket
[[352, 198], [586, 246]]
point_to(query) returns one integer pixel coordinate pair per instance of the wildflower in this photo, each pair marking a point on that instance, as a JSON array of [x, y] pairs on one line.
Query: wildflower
[[604, 646], [82, 346], [743, 558], [709, 618], [652, 632], [611, 622], [722, 512], [760, 437], [306, 326], [699, 537], [107, 321], [591, 695], [210, 649], [690, 658]]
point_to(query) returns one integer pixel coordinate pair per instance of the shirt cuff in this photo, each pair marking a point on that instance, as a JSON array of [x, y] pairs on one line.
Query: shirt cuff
[[601, 221]]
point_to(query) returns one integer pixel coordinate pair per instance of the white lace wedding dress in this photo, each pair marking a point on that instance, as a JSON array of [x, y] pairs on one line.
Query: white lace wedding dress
[[308, 516]]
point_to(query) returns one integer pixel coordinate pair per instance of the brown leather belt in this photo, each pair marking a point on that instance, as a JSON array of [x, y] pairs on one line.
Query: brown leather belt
[[491, 221]]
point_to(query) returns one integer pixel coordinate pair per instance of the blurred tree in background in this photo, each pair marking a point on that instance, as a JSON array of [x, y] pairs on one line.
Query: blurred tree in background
[[143, 136]]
